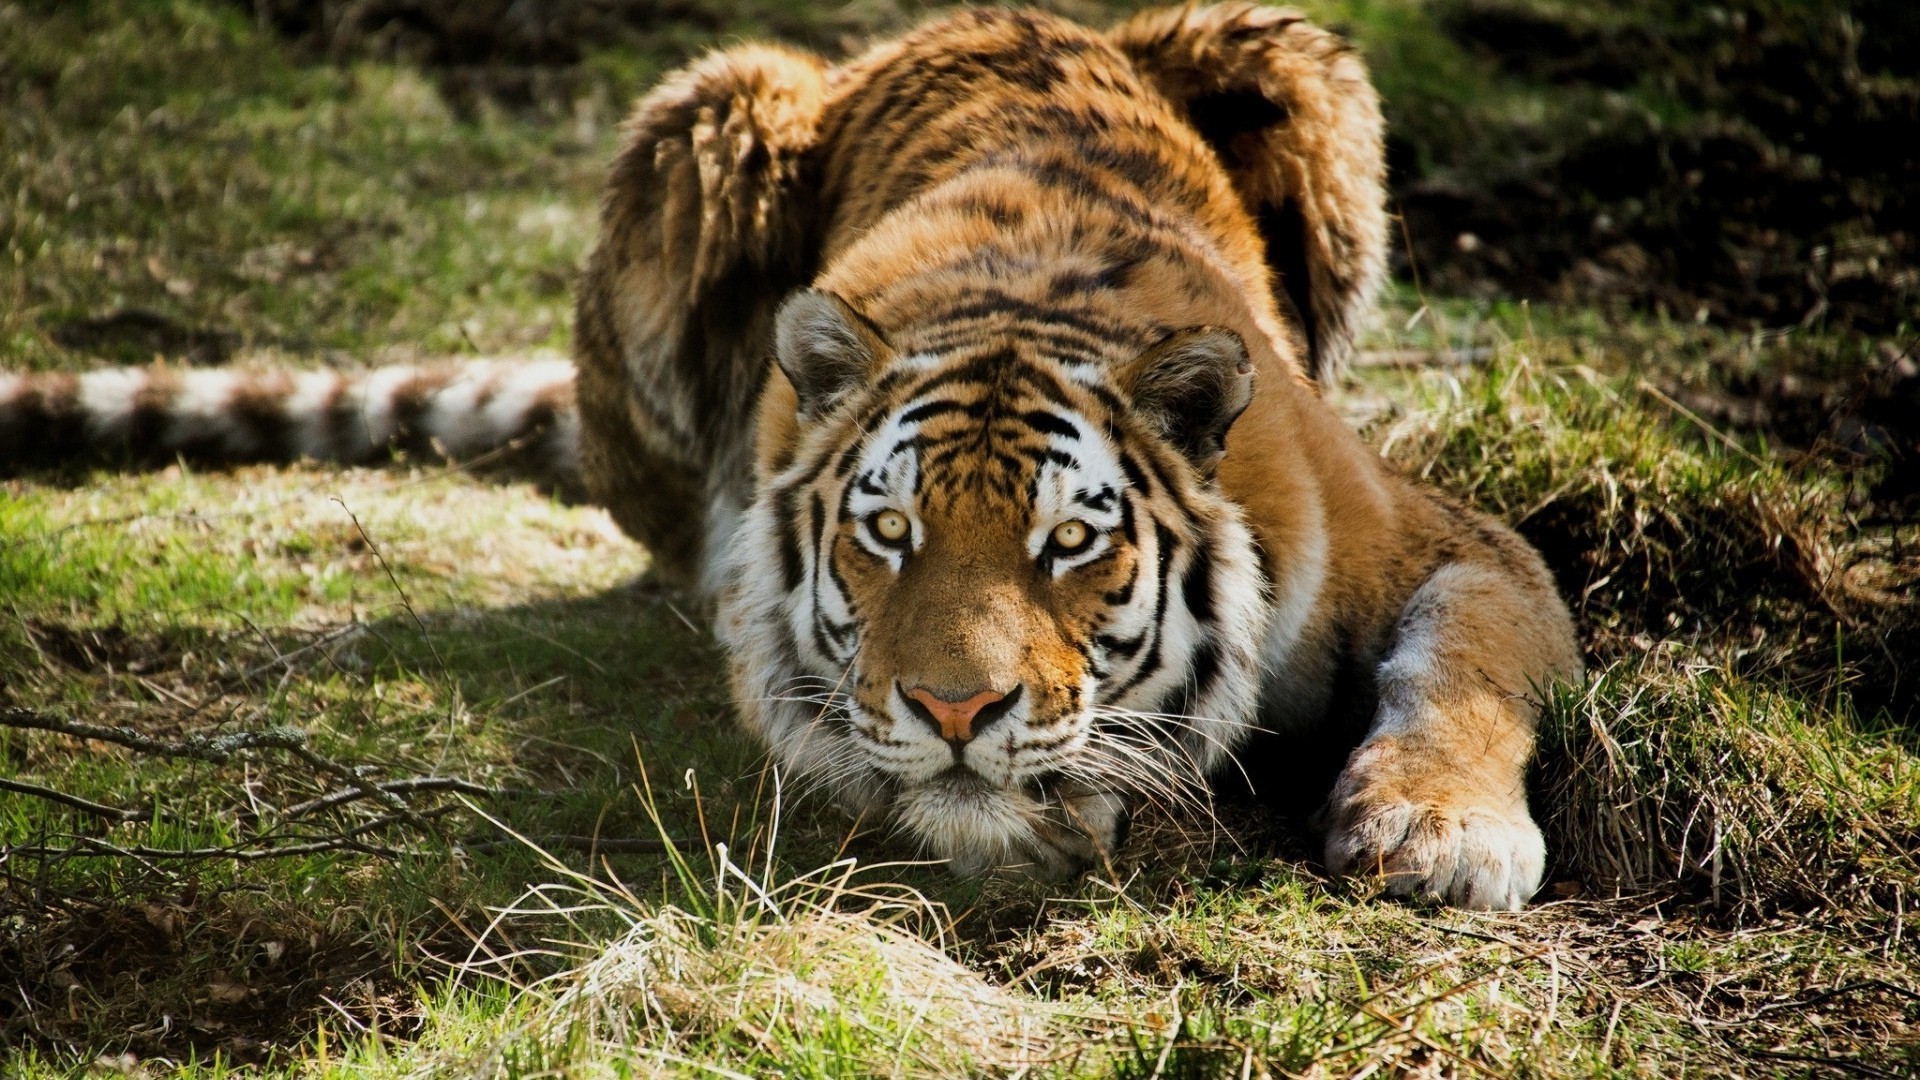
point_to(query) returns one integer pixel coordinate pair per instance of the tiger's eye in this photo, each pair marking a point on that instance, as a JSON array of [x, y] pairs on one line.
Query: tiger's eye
[[1071, 535], [890, 525]]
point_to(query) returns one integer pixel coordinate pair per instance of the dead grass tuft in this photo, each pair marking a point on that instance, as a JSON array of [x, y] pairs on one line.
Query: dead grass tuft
[[1664, 774], [742, 975]]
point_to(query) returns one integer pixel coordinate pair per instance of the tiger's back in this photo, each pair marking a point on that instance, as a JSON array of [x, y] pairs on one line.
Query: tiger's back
[[1021, 164]]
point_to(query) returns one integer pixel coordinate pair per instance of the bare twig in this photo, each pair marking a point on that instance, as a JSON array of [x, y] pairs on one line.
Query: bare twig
[[1700, 422], [84, 846], [1853, 987], [111, 813], [279, 842], [280, 659], [252, 849], [1843, 1064], [214, 749], [394, 580], [410, 784], [220, 749]]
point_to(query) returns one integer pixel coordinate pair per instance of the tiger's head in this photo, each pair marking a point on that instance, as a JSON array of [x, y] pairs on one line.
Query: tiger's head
[[988, 589]]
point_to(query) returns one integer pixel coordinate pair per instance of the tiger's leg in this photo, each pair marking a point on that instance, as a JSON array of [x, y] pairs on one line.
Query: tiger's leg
[[703, 230], [1435, 798]]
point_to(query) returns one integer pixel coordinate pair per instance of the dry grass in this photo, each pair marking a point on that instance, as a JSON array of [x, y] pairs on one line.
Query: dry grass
[[1661, 778], [746, 975]]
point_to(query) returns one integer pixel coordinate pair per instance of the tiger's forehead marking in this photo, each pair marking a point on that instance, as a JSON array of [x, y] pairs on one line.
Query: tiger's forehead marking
[[995, 423], [1064, 320]]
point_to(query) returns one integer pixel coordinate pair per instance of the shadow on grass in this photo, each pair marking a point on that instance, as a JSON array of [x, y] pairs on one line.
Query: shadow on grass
[[617, 706], [602, 717]]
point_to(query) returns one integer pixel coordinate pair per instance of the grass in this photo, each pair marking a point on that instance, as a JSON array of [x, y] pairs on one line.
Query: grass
[[1733, 802]]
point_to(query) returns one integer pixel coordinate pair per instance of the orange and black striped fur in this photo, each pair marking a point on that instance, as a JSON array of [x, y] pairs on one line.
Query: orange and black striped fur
[[974, 383], [517, 413], [1038, 508]]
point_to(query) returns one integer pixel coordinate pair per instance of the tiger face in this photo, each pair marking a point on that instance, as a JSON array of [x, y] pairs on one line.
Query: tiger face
[[1010, 604]]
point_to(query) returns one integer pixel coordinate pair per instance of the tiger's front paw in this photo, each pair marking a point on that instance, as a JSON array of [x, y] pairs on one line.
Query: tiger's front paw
[[1461, 848]]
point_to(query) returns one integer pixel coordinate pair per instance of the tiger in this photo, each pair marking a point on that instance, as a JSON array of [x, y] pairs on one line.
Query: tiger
[[978, 387]]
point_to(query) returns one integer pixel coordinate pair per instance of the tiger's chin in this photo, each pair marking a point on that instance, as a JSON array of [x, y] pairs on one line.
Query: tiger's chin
[[978, 827]]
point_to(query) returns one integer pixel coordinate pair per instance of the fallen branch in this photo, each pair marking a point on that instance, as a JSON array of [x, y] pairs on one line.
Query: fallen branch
[[85, 846], [411, 784], [214, 749], [251, 849], [276, 842], [111, 813]]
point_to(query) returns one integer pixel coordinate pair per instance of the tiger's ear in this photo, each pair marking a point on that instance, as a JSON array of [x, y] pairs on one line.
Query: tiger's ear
[[825, 348], [1190, 388]]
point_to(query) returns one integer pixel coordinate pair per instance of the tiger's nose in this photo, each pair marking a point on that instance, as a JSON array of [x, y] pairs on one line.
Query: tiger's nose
[[958, 721]]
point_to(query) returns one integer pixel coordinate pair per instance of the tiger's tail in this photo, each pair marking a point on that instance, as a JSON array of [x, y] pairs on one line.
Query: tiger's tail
[[519, 414]]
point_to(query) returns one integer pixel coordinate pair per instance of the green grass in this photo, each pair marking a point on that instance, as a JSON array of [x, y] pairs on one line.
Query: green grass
[[1733, 803], [226, 186]]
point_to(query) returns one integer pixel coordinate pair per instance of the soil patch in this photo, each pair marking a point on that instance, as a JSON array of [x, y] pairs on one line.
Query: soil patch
[[184, 975], [1747, 162]]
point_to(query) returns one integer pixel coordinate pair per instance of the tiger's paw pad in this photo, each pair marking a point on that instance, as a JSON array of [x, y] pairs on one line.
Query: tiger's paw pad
[[1488, 858]]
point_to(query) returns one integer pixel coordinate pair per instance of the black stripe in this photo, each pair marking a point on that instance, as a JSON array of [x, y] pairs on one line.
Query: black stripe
[[945, 452], [996, 370], [1150, 666], [840, 631], [848, 459], [1166, 481], [791, 567], [1050, 424], [981, 303], [1062, 344], [1197, 587], [825, 635], [1108, 400], [1200, 679], [1110, 554], [928, 410], [1040, 455], [1124, 648], [1044, 745], [1101, 500]]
